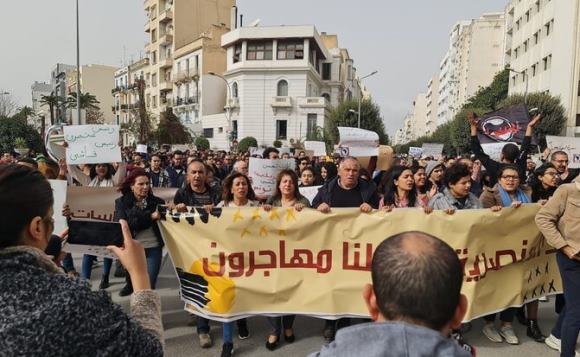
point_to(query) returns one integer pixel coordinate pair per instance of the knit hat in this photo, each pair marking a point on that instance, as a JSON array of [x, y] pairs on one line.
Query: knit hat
[[431, 165]]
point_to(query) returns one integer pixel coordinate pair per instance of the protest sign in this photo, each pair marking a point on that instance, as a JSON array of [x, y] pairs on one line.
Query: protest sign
[[359, 142], [256, 151], [242, 260], [98, 204], [569, 145], [433, 150], [505, 125], [263, 173], [309, 192], [318, 147], [415, 152], [59, 193], [493, 150], [141, 149], [181, 147], [386, 159], [92, 144]]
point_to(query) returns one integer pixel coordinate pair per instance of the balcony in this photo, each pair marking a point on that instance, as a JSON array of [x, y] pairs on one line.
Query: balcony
[[281, 102], [165, 86], [166, 39], [186, 76], [114, 108], [166, 63], [148, 26], [166, 16], [124, 107], [234, 103], [186, 104], [313, 102]]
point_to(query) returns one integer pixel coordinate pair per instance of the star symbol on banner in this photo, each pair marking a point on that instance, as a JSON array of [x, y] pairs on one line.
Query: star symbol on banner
[[238, 215], [290, 214], [282, 232], [245, 232], [256, 214], [263, 231], [274, 214]]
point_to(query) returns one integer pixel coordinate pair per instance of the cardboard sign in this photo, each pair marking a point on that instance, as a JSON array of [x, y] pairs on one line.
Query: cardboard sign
[[386, 159], [494, 150], [433, 150], [263, 173], [318, 147], [141, 149], [569, 145], [360, 142], [92, 144]]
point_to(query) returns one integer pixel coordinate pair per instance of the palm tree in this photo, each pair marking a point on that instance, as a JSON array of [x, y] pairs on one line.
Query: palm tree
[[51, 101], [88, 101]]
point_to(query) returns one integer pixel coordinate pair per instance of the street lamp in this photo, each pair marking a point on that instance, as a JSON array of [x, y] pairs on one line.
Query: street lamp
[[360, 94], [78, 69], [523, 73], [228, 105]]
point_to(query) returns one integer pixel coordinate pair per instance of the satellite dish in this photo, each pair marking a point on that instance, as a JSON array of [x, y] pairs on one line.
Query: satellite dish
[[256, 23]]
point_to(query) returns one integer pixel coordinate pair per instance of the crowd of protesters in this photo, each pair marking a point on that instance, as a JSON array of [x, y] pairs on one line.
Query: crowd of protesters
[[206, 178]]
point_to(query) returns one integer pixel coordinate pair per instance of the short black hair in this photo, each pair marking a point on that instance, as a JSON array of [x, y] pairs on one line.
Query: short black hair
[[510, 152], [422, 286], [24, 194], [30, 161], [177, 152], [267, 152], [557, 153], [456, 172]]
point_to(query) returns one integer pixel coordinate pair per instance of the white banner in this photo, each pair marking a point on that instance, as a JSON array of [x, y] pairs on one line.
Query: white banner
[[433, 150], [92, 144], [263, 173], [415, 152], [309, 192], [569, 145], [359, 142], [318, 147], [494, 150], [256, 151], [59, 193]]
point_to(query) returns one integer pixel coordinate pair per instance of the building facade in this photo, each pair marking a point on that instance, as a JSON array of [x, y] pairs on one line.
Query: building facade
[[432, 99], [543, 52], [40, 110], [58, 81], [99, 81]]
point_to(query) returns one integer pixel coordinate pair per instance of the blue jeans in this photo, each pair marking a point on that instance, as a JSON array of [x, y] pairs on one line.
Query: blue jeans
[[228, 332], [67, 263], [153, 256], [568, 324], [87, 266]]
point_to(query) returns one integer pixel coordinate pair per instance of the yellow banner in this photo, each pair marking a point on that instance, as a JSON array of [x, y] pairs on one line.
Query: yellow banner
[[242, 262]]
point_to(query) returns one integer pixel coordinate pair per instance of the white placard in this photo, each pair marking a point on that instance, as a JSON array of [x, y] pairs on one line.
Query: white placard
[[433, 150], [59, 193], [309, 192], [318, 147], [494, 150], [141, 149], [92, 144], [415, 152], [360, 142], [263, 173], [569, 145], [256, 151]]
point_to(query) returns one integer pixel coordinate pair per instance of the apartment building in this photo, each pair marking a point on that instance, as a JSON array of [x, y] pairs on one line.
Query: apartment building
[[282, 80], [39, 89], [97, 80], [420, 116], [432, 99], [59, 84], [543, 52], [173, 25]]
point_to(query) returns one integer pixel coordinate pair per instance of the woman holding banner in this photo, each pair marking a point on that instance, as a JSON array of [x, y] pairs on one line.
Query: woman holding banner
[[286, 195], [506, 193], [138, 206], [400, 191]]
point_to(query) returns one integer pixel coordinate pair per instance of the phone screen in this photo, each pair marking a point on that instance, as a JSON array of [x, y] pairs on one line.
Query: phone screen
[[95, 233]]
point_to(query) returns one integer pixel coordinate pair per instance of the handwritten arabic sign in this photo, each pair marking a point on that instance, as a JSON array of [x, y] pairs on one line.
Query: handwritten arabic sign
[[569, 145], [242, 259], [360, 142], [263, 173], [433, 150], [92, 144], [309, 192], [318, 147], [415, 152]]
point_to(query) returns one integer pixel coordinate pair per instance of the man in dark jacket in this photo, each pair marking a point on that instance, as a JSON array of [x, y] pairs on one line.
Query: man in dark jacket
[[176, 170], [345, 190], [510, 154], [412, 318]]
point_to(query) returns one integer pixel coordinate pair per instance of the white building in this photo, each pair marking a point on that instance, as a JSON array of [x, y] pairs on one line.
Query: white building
[[432, 98], [40, 110], [543, 48], [283, 80], [420, 116]]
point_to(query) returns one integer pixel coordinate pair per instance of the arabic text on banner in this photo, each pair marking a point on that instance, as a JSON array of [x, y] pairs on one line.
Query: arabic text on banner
[[92, 144], [249, 262]]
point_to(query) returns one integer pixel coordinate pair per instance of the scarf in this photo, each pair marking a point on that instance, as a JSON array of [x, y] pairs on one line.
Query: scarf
[[506, 200]]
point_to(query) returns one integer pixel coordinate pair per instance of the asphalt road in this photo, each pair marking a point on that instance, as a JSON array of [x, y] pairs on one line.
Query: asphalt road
[[181, 338]]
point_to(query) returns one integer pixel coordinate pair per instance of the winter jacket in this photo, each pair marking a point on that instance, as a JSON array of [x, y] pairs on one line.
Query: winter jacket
[[187, 196], [43, 312], [368, 192], [445, 200], [139, 219], [390, 339]]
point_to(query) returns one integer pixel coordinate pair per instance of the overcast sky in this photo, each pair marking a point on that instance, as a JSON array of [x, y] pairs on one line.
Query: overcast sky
[[403, 40]]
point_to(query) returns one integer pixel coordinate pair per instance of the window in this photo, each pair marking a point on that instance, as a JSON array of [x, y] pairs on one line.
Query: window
[[154, 101], [327, 97], [259, 51], [289, 50], [516, 52], [514, 79], [326, 71], [528, 16], [220, 130], [281, 128], [526, 46], [311, 123], [534, 68], [235, 90], [154, 57], [536, 38], [153, 35], [282, 90], [154, 79], [548, 28], [237, 53], [208, 133]]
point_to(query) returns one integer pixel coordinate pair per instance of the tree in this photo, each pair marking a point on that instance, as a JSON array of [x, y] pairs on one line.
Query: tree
[[24, 113], [12, 128], [52, 101], [490, 97], [201, 143], [171, 130], [246, 143], [277, 144], [343, 116], [553, 113], [7, 104], [88, 101], [95, 116]]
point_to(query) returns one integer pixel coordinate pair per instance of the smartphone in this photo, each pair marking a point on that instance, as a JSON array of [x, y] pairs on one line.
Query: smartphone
[[95, 233]]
